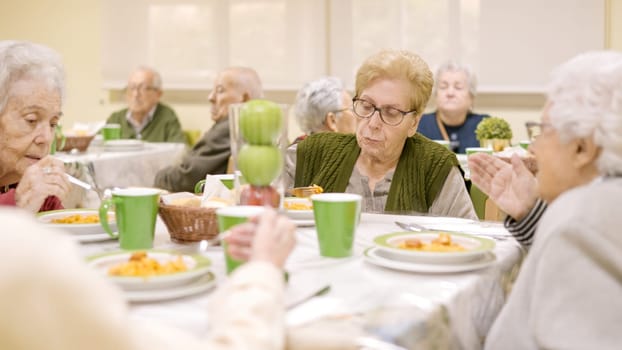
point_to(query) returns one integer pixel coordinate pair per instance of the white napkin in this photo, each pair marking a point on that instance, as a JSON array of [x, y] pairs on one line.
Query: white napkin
[[168, 199], [215, 193]]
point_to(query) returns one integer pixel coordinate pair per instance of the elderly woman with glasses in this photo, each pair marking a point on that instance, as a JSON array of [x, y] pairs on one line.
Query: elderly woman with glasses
[[567, 295], [395, 169], [31, 94]]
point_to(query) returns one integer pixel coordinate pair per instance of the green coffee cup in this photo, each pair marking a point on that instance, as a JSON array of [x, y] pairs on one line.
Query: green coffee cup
[[135, 210], [336, 217], [524, 144], [111, 132], [226, 179], [473, 150], [231, 216]]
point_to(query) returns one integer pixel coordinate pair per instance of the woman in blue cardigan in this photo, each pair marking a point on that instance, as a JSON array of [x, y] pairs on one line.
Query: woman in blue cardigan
[[453, 120]]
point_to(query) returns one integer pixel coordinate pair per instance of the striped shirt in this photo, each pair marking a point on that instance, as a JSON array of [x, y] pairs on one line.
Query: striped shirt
[[524, 230]]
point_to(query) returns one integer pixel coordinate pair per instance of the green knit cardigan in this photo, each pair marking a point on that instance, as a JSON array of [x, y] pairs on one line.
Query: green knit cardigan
[[327, 160]]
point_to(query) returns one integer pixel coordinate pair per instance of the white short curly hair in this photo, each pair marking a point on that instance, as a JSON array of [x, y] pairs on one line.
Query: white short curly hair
[[315, 100], [22, 60], [585, 95]]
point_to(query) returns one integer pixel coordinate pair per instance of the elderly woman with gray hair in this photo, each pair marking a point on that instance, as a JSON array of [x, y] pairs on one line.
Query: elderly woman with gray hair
[[31, 94], [567, 295], [453, 120], [322, 105]]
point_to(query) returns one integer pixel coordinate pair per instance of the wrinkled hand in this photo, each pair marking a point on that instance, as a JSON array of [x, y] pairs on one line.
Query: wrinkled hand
[[45, 178], [512, 186], [270, 237]]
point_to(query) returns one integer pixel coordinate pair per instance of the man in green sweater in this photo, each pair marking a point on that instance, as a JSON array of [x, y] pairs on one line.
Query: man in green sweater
[[146, 118]]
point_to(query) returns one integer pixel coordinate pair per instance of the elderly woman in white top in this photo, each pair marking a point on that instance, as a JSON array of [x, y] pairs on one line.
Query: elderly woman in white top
[[48, 289], [568, 293]]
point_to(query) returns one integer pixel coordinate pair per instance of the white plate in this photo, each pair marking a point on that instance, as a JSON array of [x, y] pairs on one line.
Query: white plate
[[475, 246], [95, 237], [79, 229], [197, 266], [199, 285], [123, 145], [298, 214], [304, 223], [382, 258]]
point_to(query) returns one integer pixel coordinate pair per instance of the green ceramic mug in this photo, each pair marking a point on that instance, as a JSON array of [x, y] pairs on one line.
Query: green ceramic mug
[[136, 210], [231, 216], [524, 144], [111, 132], [336, 217]]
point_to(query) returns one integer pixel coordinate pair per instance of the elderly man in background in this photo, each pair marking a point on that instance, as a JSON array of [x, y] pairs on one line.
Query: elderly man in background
[[386, 161], [322, 105], [453, 121], [32, 86], [146, 118], [211, 153], [567, 295]]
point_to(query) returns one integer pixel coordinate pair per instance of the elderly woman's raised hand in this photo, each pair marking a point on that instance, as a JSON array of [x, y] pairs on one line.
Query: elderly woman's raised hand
[[270, 237], [512, 186], [41, 180]]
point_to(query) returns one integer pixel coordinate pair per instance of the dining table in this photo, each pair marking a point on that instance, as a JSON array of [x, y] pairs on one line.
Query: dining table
[[134, 164], [363, 303]]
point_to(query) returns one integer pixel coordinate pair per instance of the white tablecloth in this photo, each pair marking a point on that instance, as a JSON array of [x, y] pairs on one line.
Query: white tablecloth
[[136, 168], [414, 310]]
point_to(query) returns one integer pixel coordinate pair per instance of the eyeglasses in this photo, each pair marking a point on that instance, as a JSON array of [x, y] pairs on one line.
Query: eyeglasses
[[534, 129], [140, 88], [389, 115]]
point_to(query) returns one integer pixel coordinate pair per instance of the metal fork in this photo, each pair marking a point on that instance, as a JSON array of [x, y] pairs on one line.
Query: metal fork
[[411, 226]]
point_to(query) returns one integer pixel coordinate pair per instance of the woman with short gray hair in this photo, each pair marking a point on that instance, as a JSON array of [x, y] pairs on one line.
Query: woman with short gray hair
[[568, 292], [32, 86], [454, 88], [324, 105]]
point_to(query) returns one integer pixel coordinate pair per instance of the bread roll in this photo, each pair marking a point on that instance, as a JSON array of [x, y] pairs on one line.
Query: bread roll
[[188, 201]]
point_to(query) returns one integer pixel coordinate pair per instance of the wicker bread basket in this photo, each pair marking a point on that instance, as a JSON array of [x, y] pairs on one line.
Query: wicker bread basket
[[189, 224]]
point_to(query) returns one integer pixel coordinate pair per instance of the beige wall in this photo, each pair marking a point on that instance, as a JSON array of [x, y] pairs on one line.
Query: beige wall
[[73, 28]]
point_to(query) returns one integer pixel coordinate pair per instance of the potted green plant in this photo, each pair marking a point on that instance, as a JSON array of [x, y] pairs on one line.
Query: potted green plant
[[494, 132]]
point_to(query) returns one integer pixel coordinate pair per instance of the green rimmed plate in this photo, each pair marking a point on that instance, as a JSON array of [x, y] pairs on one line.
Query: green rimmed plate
[[46, 218], [475, 246], [197, 267]]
